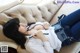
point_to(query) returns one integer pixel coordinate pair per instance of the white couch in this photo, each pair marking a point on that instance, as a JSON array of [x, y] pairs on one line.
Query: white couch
[[32, 13]]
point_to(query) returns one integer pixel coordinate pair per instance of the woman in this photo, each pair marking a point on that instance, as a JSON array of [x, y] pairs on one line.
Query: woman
[[16, 31], [68, 30], [47, 31]]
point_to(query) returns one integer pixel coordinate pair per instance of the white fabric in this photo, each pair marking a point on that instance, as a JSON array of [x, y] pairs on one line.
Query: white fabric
[[48, 47], [37, 46], [39, 23], [53, 39]]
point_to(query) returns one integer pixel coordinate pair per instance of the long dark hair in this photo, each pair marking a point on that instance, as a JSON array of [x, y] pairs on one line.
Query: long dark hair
[[10, 30], [29, 24]]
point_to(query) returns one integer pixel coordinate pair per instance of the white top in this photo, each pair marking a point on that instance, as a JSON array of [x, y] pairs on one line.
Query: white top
[[52, 38], [37, 46]]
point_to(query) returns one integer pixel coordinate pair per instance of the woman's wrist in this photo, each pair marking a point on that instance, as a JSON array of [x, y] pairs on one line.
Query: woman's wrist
[[44, 39]]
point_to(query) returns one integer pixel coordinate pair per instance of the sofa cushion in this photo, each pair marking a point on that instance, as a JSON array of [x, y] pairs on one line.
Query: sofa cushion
[[4, 18], [49, 10], [26, 14], [16, 12], [74, 48], [36, 14]]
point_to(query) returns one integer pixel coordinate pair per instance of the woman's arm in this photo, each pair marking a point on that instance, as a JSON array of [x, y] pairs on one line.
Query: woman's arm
[[46, 44], [3, 8], [46, 25], [43, 48], [41, 26]]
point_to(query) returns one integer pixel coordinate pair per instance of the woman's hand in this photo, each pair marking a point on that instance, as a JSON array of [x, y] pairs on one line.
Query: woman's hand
[[46, 25], [32, 32], [40, 36]]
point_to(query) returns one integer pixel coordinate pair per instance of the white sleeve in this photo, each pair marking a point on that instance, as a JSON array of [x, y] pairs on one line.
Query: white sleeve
[[55, 42], [48, 47], [36, 46]]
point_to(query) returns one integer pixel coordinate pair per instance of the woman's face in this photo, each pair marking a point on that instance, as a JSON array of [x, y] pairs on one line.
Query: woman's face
[[23, 28]]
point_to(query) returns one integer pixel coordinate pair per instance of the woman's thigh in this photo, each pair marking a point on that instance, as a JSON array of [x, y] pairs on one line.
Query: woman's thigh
[[71, 19], [75, 31]]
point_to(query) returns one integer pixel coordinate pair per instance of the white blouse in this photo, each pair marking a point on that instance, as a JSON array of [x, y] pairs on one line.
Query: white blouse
[[37, 46], [52, 38]]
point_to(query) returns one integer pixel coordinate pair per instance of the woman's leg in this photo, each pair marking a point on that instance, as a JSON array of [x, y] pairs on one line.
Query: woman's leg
[[71, 19], [75, 31]]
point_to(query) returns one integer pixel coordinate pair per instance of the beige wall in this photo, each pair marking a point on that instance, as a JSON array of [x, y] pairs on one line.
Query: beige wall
[[67, 8]]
